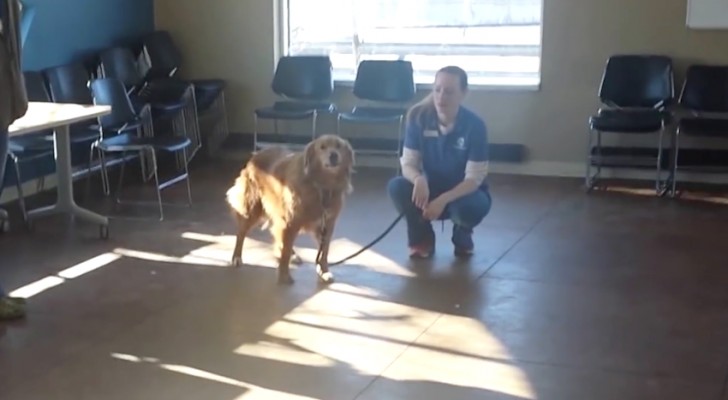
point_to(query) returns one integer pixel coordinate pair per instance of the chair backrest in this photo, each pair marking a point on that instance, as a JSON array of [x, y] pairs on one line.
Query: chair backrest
[[385, 80], [120, 63], [304, 78], [162, 54], [638, 81], [111, 92], [705, 88], [69, 83], [35, 86]]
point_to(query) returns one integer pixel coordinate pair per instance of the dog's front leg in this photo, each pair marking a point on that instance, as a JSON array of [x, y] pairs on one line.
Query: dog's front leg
[[324, 242], [285, 236]]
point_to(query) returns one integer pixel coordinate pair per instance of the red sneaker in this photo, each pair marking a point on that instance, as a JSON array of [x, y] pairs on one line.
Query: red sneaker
[[425, 249]]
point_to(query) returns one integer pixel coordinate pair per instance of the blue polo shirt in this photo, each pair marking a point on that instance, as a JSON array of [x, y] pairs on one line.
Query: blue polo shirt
[[446, 156]]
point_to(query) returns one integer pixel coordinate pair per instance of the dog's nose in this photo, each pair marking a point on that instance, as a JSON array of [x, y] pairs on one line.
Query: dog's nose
[[334, 158]]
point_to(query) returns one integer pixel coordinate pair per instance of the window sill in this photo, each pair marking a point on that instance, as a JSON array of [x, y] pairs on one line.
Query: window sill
[[473, 87]]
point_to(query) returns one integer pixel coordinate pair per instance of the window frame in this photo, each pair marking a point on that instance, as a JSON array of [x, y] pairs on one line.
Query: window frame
[[282, 45]]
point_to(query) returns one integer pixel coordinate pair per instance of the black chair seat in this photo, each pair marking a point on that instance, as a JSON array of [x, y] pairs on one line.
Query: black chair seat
[[159, 108], [30, 143], [700, 126], [130, 127], [163, 95], [292, 110], [209, 85], [169, 92], [628, 121], [205, 98], [130, 142], [80, 134], [373, 114]]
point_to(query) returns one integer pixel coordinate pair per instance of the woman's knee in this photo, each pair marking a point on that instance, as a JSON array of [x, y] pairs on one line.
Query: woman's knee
[[470, 210], [400, 189]]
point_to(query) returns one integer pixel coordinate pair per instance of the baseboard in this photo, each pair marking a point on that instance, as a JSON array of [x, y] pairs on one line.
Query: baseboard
[[553, 169], [532, 168], [503, 152]]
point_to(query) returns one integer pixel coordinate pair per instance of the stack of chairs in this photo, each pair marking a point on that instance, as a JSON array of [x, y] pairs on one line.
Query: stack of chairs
[[148, 75]]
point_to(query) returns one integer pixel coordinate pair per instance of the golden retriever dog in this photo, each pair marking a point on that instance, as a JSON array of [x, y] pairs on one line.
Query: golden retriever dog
[[293, 192]]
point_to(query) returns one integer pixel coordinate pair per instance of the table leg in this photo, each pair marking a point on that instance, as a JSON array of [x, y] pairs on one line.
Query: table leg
[[65, 203]]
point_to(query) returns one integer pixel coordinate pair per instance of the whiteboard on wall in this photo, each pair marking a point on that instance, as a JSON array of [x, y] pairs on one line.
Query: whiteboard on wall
[[707, 14]]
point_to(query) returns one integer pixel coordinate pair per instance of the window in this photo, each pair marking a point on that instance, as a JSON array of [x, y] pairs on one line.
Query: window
[[497, 41]]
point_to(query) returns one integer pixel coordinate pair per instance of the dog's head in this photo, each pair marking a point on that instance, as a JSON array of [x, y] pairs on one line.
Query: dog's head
[[330, 155]]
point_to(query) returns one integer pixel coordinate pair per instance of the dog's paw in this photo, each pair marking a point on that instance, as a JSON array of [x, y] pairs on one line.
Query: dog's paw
[[285, 279], [325, 277], [296, 259], [236, 262]]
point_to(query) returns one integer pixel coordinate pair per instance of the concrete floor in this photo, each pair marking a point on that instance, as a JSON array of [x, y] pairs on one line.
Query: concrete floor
[[570, 296]]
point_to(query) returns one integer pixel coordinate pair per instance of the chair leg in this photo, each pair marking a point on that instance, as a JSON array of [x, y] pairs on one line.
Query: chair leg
[[255, 132], [675, 150], [225, 124], [156, 183], [588, 181], [87, 191], [187, 179], [106, 186], [19, 186], [120, 183], [181, 122], [313, 125], [659, 187]]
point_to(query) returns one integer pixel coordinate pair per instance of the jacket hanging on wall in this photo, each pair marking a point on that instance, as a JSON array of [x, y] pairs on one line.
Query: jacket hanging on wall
[[13, 98]]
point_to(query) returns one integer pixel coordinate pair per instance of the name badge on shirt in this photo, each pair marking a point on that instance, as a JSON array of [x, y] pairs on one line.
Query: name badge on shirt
[[431, 133]]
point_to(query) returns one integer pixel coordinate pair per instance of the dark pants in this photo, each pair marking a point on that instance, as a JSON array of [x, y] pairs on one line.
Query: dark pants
[[466, 212]]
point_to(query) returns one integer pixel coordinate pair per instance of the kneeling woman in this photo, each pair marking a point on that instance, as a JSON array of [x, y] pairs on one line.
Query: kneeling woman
[[444, 167]]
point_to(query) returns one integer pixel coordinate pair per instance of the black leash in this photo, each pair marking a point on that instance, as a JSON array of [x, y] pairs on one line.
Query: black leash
[[365, 248]]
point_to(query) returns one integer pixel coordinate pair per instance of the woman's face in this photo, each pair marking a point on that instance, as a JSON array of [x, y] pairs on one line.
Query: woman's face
[[447, 93]]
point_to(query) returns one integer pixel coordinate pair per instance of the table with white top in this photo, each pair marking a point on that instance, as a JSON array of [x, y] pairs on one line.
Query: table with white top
[[59, 116]]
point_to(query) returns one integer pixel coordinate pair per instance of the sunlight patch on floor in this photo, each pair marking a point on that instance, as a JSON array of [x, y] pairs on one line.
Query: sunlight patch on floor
[[399, 342], [73, 272], [162, 258], [250, 392], [260, 253], [459, 351]]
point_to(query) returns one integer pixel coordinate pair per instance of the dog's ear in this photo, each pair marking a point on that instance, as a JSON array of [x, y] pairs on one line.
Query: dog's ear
[[308, 154]]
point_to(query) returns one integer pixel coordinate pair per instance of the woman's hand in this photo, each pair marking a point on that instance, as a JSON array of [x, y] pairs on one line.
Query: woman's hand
[[434, 209], [421, 192]]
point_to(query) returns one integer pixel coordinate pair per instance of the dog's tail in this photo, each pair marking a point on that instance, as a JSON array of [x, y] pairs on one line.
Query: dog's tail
[[243, 195]]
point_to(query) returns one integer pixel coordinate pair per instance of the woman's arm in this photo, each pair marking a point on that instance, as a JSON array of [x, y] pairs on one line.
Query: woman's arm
[[476, 169], [411, 160]]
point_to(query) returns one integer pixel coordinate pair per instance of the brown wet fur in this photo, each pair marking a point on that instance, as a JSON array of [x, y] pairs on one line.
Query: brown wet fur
[[284, 189]]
